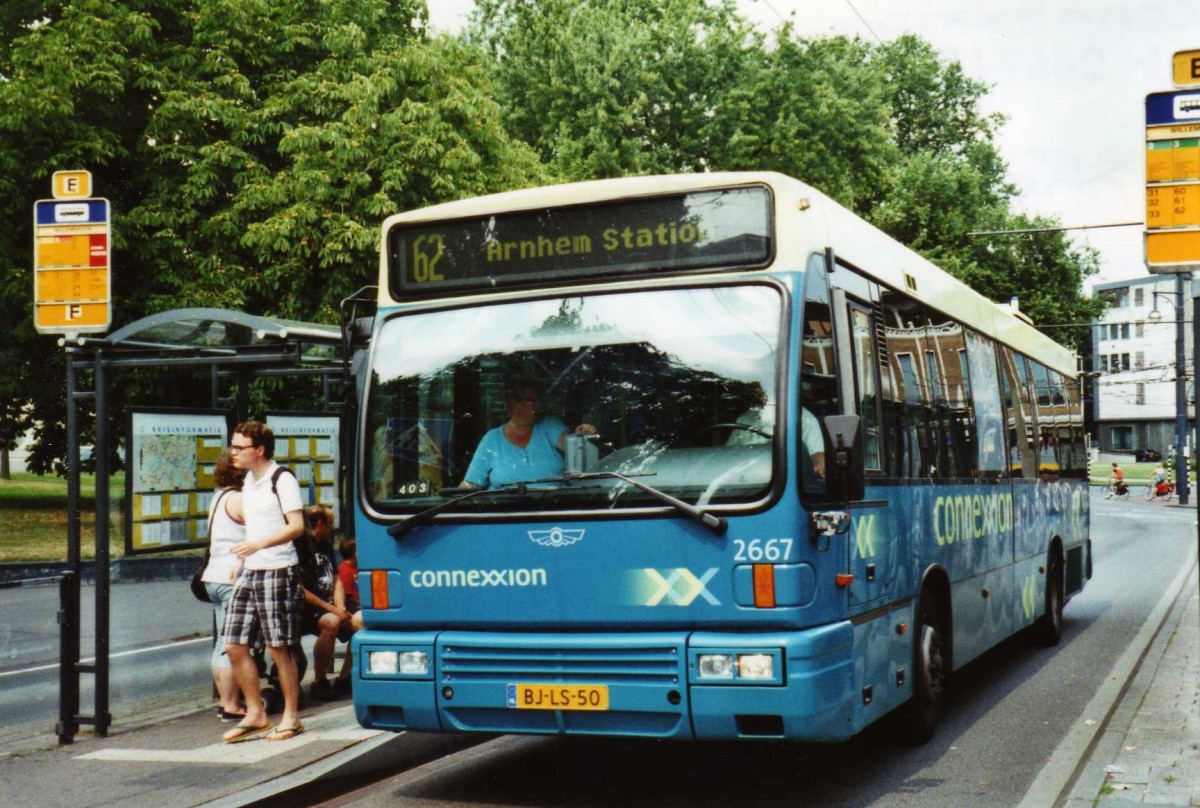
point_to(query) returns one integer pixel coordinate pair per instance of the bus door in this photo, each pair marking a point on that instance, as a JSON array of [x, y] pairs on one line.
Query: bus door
[[871, 545]]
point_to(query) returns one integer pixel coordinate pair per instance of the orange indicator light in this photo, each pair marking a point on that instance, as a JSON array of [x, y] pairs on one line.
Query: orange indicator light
[[843, 579], [379, 589], [764, 586]]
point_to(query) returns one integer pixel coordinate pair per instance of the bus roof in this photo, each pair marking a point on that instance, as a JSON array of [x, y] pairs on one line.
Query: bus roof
[[819, 222]]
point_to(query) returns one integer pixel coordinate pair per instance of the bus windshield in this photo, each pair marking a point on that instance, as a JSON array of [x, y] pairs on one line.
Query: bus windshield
[[675, 385]]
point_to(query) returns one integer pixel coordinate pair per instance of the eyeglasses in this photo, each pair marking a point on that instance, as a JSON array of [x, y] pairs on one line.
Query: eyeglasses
[[233, 447]]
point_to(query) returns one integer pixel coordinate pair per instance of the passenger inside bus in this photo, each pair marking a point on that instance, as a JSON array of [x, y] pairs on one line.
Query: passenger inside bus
[[525, 447]]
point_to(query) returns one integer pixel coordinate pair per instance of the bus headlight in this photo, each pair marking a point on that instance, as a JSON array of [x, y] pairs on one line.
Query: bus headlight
[[404, 663], [716, 666], [414, 662], [755, 666], [382, 661]]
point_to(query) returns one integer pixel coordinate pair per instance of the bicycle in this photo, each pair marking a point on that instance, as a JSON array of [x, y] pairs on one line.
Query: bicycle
[[1164, 490], [1116, 489]]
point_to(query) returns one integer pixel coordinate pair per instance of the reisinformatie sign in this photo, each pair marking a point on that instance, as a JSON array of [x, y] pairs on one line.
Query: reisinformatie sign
[[170, 482], [308, 445]]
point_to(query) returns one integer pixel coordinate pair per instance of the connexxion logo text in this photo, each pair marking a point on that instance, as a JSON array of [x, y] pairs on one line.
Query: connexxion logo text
[[455, 579]]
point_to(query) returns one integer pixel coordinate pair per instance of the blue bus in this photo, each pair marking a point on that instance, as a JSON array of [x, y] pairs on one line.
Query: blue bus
[[697, 457]]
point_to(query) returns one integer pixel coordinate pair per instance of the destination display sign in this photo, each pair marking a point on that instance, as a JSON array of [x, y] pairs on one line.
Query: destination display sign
[[731, 227]]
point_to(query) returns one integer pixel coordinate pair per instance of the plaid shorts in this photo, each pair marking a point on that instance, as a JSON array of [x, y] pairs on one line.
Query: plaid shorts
[[264, 601]]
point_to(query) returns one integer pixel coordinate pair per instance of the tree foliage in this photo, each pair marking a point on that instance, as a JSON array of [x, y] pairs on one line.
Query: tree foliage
[[890, 130], [250, 148]]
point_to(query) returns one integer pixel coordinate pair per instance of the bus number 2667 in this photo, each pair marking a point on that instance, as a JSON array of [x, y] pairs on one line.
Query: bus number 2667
[[756, 550]]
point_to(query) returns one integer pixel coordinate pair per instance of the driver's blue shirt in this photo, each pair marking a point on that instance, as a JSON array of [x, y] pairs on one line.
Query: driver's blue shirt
[[498, 462]]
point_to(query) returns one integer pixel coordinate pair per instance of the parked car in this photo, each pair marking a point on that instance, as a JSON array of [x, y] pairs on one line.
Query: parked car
[[1147, 456]]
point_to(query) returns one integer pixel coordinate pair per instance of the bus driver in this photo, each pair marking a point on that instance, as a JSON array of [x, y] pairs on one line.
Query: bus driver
[[525, 447]]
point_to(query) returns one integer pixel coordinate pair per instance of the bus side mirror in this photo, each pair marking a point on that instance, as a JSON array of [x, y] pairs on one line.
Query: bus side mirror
[[844, 476]]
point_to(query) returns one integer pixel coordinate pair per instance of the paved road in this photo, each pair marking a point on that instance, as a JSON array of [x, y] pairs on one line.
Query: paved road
[[157, 641], [1006, 714]]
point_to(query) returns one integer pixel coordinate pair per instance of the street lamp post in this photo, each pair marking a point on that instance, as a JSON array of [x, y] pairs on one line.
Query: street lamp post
[[1181, 419]]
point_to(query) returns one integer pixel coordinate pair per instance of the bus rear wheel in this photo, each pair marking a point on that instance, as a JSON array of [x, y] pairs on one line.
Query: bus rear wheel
[[930, 668]]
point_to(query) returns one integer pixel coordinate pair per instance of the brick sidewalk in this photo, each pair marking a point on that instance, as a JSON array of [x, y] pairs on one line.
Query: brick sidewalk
[[1158, 762]]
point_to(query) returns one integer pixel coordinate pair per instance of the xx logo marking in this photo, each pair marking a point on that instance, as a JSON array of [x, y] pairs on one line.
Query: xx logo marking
[[669, 587], [864, 535]]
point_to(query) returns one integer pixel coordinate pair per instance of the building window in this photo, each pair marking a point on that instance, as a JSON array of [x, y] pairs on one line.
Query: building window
[[1104, 363], [1121, 437], [1114, 330], [1138, 296], [1124, 361], [1139, 360], [1139, 329], [1124, 330], [1116, 297], [1139, 393]]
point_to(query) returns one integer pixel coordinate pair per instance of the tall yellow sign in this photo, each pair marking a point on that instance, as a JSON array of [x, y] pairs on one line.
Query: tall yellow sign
[[72, 234]]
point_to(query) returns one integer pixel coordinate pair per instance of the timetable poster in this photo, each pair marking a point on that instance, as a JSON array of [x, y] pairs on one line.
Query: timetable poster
[[170, 482], [308, 444]]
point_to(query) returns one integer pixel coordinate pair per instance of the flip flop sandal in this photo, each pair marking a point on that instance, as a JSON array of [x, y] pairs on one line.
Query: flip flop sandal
[[285, 733], [245, 732]]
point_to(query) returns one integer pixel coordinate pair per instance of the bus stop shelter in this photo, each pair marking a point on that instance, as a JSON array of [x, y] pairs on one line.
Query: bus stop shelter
[[234, 347]]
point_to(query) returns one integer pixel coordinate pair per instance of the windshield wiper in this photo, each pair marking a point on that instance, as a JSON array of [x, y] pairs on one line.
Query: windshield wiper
[[717, 524]]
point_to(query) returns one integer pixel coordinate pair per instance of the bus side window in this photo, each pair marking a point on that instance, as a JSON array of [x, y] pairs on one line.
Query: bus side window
[[818, 372], [1018, 415], [989, 411], [950, 386], [1050, 414], [906, 405], [862, 338]]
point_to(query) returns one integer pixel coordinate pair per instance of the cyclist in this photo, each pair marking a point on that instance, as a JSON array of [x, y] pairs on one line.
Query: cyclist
[[1158, 483], [1116, 480]]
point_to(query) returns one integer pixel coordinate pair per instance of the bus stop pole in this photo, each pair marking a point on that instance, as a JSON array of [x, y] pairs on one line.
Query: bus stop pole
[[103, 588], [68, 700], [1196, 402]]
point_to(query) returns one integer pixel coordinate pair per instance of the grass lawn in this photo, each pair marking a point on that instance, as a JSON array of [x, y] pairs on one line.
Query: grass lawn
[[35, 515]]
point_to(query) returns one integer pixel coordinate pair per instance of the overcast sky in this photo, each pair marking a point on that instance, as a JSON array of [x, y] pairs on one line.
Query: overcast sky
[[1070, 75]]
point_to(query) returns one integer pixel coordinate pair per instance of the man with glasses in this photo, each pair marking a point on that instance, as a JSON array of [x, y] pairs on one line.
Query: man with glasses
[[265, 597]]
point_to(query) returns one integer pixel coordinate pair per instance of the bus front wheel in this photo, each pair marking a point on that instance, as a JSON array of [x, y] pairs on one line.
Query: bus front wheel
[[930, 669]]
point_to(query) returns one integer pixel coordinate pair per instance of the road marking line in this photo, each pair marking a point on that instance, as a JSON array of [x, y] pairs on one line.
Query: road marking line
[[55, 665], [337, 725]]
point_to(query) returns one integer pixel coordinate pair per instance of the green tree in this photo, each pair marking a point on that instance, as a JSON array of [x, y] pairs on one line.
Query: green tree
[[606, 88], [250, 150]]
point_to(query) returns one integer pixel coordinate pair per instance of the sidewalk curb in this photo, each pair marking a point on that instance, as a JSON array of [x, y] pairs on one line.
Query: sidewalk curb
[[1075, 761]]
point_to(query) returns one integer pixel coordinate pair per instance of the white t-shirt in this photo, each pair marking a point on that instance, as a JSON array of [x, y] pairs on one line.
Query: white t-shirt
[[264, 517], [223, 535]]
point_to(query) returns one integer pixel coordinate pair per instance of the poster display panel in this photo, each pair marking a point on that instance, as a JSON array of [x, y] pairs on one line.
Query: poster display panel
[[308, 444], [169, 483]]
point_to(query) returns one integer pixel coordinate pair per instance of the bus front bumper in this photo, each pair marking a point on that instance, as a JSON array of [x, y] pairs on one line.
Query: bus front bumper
[[616, 684]]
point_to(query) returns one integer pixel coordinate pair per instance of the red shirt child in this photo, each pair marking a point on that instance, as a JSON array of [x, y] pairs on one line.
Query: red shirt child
[[348, 574]]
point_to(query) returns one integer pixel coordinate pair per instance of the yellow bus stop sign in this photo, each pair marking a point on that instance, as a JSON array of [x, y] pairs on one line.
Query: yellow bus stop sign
[[1172, 239], [72, 286], [1186, 68]]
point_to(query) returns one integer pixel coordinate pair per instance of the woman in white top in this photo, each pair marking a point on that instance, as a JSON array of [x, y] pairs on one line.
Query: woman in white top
[[227, 529]]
